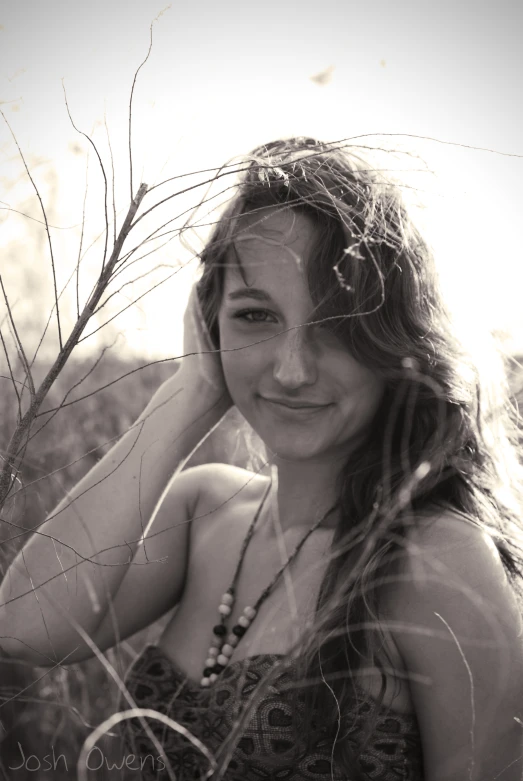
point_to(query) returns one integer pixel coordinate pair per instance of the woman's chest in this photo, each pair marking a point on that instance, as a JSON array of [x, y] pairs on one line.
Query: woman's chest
[[288, 596], [285, 596]]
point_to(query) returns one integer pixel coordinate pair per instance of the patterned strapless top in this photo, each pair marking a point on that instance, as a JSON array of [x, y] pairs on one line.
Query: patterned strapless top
[[260, 752]]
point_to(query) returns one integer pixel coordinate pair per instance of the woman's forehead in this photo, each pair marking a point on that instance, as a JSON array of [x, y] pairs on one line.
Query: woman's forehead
[[272, 221], [272, 234]]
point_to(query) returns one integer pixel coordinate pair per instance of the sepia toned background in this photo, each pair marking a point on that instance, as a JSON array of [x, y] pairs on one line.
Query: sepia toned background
[[222, 78]]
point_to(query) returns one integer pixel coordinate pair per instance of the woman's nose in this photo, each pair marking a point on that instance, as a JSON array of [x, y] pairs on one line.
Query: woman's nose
[[294, 360]]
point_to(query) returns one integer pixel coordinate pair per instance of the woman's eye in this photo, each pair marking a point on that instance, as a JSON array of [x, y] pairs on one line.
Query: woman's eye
[[253, 315]]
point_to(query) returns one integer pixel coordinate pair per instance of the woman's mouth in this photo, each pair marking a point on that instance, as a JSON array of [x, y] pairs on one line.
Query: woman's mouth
[[294, 407]]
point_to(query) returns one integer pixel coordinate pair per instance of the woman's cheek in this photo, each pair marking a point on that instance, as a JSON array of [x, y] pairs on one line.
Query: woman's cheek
[[240, 375], [234, 372]]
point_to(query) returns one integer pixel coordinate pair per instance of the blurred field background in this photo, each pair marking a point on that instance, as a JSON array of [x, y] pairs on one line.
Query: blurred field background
[[219, 81]]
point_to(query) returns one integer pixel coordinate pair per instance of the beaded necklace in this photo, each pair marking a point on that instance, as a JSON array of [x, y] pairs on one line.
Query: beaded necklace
[[221, 651]]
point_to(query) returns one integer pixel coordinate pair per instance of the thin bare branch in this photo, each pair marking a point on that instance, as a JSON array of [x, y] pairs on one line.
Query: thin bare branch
[[13, 449], [131, 304], [108, 384], [193, 173], [155, 235], [123, 268], [13, 381], [75, 270], [82, 240], [339, 144], [8, 208], [112, 177], [186, 190], [18, 342], [131, 282], [42, 337], [46, 226], [131, 106], [36, 529], [103, 174], [435, 141], [72, 388], [47, 475], [90, 246]]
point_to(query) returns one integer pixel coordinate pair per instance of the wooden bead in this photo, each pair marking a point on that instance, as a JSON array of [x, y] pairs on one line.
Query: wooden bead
[[213, 677], [227, 599], [224, 610], [233, 640], [249, 612], [244, 621], [210, 662], [222, 659], [227, 650], [219, 630], [239, 631], [214, 650], [205, 682]]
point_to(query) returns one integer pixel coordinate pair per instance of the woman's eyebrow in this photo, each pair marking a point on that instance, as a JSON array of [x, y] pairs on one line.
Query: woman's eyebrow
[[249, 292]]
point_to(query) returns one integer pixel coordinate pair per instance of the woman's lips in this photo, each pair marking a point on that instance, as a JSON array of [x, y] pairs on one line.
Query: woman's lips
[[294, 408]]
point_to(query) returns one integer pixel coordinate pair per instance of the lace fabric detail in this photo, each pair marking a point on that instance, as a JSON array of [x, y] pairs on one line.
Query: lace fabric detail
[[264, 747]]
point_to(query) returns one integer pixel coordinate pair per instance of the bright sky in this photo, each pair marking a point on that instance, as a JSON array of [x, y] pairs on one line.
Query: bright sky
[[223, 77]]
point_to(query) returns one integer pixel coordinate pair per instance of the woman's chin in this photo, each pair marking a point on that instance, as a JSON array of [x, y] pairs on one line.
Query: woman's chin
[[293, 436], [299, 446], [293, 450]]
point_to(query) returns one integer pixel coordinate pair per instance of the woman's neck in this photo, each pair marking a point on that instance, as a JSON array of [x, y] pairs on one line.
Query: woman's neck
[[302, 492]]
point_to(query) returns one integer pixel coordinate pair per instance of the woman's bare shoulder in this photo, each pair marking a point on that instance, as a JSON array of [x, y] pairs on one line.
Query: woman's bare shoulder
[[448, 531], [216, 484], [447, 552], [456, 622]]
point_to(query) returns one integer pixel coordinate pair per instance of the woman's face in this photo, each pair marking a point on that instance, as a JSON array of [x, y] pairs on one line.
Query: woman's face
[[300, 390]]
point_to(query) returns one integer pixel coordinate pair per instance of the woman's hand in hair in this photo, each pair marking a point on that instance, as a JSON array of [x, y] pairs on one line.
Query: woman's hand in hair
[[202, 359]]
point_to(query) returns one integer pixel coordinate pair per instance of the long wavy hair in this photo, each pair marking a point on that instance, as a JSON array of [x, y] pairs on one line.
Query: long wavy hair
[[443, 437]]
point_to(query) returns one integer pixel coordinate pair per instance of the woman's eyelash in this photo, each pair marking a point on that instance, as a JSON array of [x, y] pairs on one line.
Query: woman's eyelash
[[242, 315]]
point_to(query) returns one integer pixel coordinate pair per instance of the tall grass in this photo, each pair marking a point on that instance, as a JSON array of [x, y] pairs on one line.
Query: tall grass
[[46, 711]]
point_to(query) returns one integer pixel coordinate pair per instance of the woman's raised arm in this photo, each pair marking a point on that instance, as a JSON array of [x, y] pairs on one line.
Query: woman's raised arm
[[76, 560]]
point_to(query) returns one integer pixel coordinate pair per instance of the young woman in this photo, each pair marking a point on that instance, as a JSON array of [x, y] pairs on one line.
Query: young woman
[[352, 610]]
